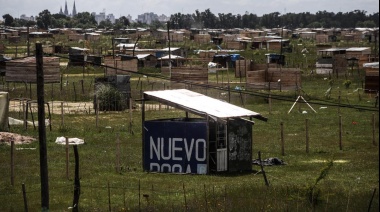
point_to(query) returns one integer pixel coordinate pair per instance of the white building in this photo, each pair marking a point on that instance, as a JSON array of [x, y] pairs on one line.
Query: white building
[[102, 17], [111, 17], [147, 18]]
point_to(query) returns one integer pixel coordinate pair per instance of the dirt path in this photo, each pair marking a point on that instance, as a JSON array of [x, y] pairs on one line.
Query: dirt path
[[7, 138], [56, 107]]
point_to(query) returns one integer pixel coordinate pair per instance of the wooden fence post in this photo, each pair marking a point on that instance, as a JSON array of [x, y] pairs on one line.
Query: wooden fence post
[[373, 130], [307, 135], [206, 202], [12, 162], [262, 170], [25, 113], [67, 157], [62, 117], [139, 195], [117, 154], [76, 181], [339, 103], [24, 197], [109, 196], [340, 133], [184, 195], [75, 92], [130, 116], [42, 129], [270, 102], [282, 139], [97, 112]]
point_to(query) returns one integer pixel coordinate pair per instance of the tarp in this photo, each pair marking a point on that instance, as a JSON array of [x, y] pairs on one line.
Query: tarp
[[4, 111], [71, 141]]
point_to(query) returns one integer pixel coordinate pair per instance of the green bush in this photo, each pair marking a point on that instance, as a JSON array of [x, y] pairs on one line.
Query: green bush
[[347, 83], [109, 98]]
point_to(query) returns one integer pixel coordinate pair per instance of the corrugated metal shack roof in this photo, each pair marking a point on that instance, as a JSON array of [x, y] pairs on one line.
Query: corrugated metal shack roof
[[200, 104]]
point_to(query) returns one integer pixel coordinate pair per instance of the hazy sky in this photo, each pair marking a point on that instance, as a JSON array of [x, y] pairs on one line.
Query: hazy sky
[[167, 7]]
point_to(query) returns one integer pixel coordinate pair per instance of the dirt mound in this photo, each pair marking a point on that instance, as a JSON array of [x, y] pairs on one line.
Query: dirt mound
[[6, 137]]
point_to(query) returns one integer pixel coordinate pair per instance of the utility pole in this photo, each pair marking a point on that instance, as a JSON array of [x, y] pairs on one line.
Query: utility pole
[[170, 59], [28, 41], [41, 130]]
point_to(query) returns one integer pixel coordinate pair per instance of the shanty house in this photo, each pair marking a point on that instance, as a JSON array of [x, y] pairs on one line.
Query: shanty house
[[371, 77], [24, 70], [219, 141], [146, 60]]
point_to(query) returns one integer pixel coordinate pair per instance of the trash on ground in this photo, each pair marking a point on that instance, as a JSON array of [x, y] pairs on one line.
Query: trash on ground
[[268, 162]]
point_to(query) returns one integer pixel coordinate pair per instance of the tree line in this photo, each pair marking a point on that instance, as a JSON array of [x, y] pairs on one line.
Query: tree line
[[207, 19]]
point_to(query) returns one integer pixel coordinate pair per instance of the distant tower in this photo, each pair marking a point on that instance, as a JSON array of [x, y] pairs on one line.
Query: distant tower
[[66, 11], [60, 11], [74, 10]]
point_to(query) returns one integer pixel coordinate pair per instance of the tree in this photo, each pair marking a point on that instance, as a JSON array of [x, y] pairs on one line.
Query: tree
[[106, 24], [84, 20], [8, 20], [198, 22], [125, 21], [23, 23], [44, 19], [181, 21], [121, 23], [366, 24], [209, 19], [156, 24]]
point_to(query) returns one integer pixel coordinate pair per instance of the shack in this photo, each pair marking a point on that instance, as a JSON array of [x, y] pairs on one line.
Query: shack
[[219, 141], [371, 77], [77, 56], [24, 70]]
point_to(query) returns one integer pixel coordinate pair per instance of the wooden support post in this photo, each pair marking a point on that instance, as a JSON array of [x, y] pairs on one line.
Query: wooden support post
[[41, 129], [76, 181]]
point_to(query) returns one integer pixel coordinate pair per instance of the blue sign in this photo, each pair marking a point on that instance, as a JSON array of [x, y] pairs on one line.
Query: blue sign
[[175, 146]]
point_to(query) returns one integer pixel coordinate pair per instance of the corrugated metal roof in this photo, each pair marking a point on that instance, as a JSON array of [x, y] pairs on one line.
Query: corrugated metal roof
[[140, 56], [171, 49], [357, 49], [371, 65], [171, 57], [333, 50], [200, 104]]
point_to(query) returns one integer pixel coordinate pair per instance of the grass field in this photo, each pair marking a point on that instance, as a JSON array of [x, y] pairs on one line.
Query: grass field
[[340, 171], [330, 177]]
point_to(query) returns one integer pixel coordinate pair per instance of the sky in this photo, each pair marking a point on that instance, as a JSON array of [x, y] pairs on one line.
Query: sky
[[119, 8]]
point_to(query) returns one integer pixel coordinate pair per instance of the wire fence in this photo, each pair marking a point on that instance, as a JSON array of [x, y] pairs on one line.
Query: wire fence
[[142, 196]]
